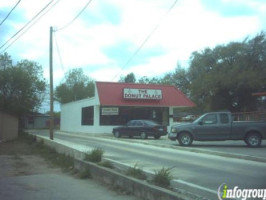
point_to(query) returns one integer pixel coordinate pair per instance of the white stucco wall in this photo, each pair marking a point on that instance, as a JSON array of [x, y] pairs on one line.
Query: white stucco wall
[[71, 117]]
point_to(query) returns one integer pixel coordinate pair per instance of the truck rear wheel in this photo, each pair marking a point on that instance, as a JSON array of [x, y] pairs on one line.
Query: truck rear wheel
[[185, 139], [253, 140]]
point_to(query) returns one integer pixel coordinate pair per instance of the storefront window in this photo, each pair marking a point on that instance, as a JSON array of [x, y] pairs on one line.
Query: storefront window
[[87, 115], [125, 114]]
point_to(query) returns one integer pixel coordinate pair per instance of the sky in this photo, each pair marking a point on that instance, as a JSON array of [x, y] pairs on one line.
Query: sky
[[104, 39]]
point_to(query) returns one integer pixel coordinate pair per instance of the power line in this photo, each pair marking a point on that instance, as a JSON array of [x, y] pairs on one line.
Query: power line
[[59, 53], [64, 27], [80, 12], [27, 24], [145, 40], [9, 12]]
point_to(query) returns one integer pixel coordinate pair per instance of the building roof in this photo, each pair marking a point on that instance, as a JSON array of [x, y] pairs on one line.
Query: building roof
[[259, 94], [112, 94]]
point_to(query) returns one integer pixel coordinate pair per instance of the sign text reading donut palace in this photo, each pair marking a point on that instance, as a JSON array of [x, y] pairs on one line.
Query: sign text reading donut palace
[[153, 94]]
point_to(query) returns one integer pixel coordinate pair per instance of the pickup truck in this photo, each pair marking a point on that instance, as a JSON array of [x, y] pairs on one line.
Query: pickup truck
[[218, 126]]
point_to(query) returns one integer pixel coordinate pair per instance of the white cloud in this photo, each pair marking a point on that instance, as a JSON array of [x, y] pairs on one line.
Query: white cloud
[[188, 27], [105, 74]]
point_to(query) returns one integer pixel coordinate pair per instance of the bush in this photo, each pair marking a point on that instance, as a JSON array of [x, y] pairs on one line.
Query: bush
[[28, 138], [95, 155], [84, 174], [48, 153], [106, 164], [136, 172], [163, 177]]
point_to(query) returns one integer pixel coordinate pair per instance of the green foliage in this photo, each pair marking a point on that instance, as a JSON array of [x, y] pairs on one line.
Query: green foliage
[[222, 78], [178, 78], [95, 155], [225, 77], [163, 177], [75, 87], [29, 139], [22, 86], [147, 80], [84, 174], [61, 160], [106, 164], [136, 172], [130, 78], [48, 153]]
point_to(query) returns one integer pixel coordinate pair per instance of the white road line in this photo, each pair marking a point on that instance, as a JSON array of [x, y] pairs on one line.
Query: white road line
[[195, 186]]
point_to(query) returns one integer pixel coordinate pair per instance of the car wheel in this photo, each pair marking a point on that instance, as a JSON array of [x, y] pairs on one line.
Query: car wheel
[[117, 134], [185, 139], [143, 135], [253, 139], [157, 136]]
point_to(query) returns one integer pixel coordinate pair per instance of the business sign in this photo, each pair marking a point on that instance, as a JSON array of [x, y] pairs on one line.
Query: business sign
[[152, 94], [110, 111]]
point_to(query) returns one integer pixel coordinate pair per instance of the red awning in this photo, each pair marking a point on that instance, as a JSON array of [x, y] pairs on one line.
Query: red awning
[[259, 94], [112, 94]]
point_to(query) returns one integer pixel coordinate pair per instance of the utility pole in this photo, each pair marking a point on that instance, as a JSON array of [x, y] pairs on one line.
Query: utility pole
[[51, 86]]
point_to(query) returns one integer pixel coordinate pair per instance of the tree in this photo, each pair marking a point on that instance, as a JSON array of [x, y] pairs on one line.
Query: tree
[[75, 87], [146, 80], [22, 86], [225, 77], [178, 79], [130, 78]]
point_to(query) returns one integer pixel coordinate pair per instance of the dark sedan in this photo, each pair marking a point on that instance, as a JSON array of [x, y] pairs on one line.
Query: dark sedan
[[142, 128]]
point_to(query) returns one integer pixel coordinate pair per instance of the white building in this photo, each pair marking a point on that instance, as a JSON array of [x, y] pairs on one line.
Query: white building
[[115, 104]]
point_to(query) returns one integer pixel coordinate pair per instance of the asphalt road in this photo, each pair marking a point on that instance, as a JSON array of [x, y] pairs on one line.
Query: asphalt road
[[200, 173], [227, 147]]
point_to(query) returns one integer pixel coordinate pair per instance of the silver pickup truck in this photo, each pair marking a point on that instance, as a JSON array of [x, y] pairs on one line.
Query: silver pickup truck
[[218, 126]]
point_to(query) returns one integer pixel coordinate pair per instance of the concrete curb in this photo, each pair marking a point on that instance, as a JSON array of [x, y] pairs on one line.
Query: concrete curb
[[134, 186]]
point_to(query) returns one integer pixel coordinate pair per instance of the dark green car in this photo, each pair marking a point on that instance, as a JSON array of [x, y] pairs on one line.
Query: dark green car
[[141, 128]]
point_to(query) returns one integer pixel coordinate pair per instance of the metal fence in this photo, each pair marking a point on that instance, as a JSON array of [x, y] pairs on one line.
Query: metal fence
[[249, 116]]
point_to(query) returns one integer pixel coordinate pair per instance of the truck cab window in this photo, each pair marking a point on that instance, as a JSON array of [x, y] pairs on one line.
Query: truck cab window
[[224, 118], [210, 119]]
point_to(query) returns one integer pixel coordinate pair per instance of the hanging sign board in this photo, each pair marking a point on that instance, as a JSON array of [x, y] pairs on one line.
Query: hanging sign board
[[110, 111], [152, 94]]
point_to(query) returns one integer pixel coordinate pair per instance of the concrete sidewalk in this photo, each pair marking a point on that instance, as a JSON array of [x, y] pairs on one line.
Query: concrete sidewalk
[[55, 186], [24, 176]]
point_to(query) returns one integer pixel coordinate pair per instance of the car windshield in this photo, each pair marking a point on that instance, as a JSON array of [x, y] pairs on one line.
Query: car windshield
[[150, 123]]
